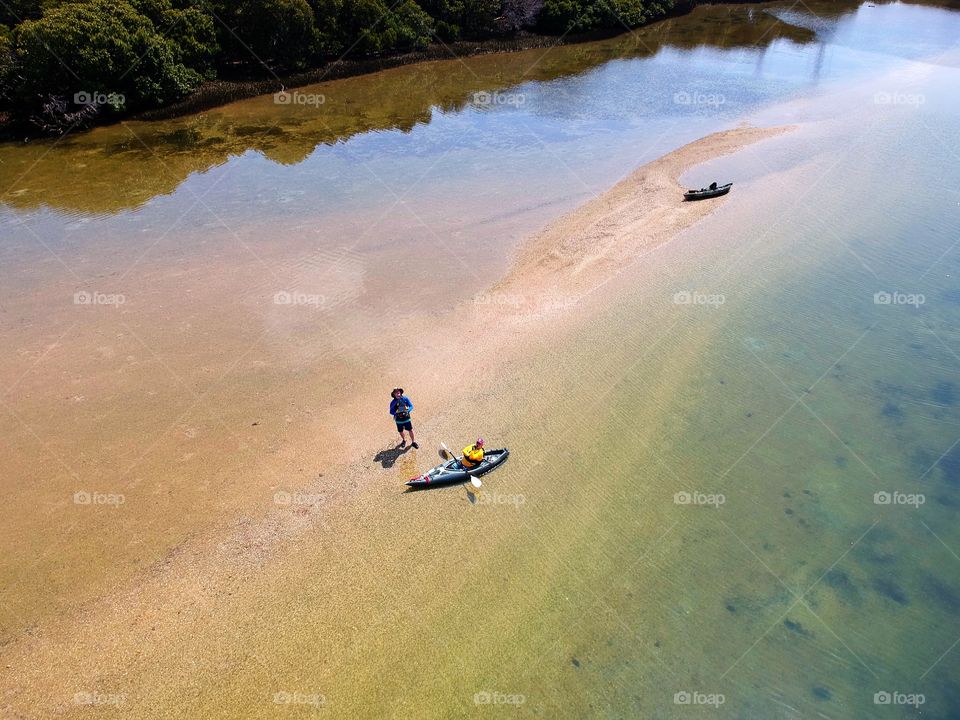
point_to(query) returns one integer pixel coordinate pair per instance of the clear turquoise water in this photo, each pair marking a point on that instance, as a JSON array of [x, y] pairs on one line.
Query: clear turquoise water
[[804, 594]]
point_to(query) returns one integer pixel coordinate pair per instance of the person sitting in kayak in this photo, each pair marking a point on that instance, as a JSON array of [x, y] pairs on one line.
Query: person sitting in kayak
[[472, 455]]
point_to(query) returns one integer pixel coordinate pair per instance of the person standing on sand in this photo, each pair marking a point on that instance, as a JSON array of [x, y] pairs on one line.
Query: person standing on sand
[[400, 408]]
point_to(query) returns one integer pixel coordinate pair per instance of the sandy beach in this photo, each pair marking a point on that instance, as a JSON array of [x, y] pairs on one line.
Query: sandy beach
[[132, 622]]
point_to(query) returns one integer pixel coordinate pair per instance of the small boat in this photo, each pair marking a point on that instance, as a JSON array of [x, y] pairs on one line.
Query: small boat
[[708, 192], [451, 471]]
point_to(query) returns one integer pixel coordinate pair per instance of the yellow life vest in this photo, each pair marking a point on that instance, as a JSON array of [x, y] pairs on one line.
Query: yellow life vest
[[472, 456]]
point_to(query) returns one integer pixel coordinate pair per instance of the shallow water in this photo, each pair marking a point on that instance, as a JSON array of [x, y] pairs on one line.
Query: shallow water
[[580, 583], [827, 579]]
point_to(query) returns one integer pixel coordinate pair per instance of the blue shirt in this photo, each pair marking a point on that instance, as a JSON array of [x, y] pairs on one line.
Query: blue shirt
[[395, 405]]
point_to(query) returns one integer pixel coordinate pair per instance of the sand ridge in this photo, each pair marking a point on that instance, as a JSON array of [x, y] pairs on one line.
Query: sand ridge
[[578, 252]]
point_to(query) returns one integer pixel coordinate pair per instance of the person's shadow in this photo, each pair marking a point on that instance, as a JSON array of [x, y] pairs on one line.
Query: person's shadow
[[388, 457]]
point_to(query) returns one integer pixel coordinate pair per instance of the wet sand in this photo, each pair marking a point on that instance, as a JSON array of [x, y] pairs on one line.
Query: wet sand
[[154, 629]]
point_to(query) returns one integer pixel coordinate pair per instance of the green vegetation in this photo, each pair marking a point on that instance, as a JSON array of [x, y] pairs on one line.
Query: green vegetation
[[464, 19], [68, 63], [562, 16], [370, 27]]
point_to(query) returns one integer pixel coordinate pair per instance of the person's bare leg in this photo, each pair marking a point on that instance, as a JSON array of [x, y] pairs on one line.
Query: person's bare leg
[[413, 440]]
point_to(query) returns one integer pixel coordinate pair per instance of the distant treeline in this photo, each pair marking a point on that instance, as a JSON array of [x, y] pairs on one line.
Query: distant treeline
[[70, 63]]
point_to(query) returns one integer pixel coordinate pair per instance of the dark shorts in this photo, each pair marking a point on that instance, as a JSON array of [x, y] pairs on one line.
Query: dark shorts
[[406, 425]]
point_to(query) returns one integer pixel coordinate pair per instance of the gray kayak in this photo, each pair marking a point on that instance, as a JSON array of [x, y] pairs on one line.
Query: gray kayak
[[452, 471], [710, 192]]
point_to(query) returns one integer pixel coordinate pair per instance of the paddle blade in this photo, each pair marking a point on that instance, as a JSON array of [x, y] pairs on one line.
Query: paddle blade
[[476, 482]]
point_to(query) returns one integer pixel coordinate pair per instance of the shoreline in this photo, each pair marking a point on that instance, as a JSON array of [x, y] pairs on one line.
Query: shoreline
[[223, 91], [220, 92], [365, 509], [212, 94], [217, 93]]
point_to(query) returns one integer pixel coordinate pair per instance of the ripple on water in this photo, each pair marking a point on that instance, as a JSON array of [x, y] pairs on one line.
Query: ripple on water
[[950, 466], [846, 590], [890, 590], [944, 393]]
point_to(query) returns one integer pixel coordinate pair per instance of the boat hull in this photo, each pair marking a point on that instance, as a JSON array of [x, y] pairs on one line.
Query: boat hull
[[707, 193], [450, 472]]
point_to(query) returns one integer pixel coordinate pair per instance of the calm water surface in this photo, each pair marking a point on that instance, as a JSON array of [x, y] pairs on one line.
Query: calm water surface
[[414, 163]]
